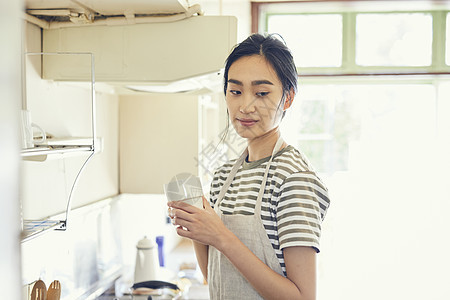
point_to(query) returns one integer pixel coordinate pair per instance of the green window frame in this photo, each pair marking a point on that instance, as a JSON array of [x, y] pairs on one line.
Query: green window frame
[[349, 66]]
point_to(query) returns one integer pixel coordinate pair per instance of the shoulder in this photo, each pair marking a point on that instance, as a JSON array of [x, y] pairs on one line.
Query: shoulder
[[293, 160], [301, 186]]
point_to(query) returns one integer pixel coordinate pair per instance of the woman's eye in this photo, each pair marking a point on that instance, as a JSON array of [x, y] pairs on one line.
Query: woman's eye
[[235, 92], [262, 94]]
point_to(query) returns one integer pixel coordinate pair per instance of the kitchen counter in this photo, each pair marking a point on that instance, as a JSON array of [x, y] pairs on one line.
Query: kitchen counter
[[196, 292]]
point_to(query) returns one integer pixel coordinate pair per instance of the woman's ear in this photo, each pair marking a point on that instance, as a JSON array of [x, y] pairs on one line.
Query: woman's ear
[[289, 99]]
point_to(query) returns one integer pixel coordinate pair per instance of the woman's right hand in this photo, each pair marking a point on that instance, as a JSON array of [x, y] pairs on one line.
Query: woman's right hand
[[201, 225]]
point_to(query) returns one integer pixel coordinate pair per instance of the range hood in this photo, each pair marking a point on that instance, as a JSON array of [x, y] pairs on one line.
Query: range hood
[[142, 49]]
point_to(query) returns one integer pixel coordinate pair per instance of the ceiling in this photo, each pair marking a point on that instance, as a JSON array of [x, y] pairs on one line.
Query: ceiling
[[64, 10]]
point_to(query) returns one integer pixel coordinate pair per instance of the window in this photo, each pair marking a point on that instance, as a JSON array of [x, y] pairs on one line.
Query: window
[[374, 124], [315, 39], [338, 114], [346, 41]]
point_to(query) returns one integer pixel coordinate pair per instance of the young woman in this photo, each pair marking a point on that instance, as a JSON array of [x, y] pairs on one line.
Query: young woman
[[258, 235]]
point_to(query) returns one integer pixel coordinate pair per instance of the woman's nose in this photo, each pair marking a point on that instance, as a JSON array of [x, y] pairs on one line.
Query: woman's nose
[[248, 104]]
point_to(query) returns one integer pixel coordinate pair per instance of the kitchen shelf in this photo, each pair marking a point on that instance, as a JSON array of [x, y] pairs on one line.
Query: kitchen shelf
[[61, 149], [65, 146], [34, 228], [60, 146]]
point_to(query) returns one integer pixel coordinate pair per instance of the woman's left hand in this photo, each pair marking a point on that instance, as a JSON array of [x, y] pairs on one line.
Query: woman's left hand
[[201, 225]]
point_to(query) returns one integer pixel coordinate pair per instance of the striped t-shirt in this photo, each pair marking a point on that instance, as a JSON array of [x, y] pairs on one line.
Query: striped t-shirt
[[294, 203]]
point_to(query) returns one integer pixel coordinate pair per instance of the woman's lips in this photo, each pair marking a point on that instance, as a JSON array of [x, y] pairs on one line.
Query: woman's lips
[[247, 122]]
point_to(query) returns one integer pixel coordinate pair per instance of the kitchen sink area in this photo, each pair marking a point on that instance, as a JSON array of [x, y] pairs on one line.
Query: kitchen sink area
[[95, 257]]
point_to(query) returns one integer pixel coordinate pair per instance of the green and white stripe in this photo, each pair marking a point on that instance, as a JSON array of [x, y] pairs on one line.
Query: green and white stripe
[[294, 204]]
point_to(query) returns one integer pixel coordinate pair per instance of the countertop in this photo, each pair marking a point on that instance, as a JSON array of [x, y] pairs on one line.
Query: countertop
[[196, 292]]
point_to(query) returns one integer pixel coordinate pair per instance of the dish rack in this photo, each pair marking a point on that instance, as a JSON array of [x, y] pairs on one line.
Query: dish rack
[[61, 146]]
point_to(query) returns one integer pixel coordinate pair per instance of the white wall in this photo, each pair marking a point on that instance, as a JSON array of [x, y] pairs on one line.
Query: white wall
[[9, 146], [145, 215], [158, 139]]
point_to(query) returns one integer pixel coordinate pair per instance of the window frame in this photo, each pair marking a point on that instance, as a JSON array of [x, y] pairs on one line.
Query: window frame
[[349, 67]]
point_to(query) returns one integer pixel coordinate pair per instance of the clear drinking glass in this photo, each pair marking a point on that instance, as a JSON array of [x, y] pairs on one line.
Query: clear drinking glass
[[185, 187]]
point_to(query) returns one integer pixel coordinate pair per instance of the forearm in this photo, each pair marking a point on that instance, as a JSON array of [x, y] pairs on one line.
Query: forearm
[[300, 265], [201, 251], [268, 283]]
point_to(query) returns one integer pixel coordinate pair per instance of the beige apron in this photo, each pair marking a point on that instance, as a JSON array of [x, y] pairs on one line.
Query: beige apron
[[224, 280]]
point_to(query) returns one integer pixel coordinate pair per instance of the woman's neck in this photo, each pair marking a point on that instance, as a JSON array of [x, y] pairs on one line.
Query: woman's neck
[[262, 146]]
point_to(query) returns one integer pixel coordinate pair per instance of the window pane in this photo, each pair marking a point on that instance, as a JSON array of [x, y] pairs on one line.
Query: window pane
[[394, 39], [315, 40], [447, 56]]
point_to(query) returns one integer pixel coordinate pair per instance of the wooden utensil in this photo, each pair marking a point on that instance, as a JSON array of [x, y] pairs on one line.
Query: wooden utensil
[[39, 291], [54, 291]]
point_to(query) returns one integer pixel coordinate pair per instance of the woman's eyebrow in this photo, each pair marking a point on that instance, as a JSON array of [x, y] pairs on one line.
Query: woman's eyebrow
[[255, 82], [235, 81], [258, 82]]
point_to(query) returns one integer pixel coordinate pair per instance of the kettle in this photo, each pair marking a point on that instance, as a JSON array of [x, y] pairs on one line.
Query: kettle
[[146, 261]]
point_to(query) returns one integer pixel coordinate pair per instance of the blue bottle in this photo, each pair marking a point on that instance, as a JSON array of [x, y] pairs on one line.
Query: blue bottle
[[160, 243]]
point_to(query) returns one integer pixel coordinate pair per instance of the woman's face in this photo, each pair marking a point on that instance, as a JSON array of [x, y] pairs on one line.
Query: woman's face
[[253, 96]]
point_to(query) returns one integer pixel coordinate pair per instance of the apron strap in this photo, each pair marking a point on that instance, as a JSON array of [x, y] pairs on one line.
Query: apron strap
[[266, 173], [230, 177], [236, 167]]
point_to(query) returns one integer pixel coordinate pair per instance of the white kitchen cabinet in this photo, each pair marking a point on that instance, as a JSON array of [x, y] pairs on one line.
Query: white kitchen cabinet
[[158, 52], [62, 142]]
